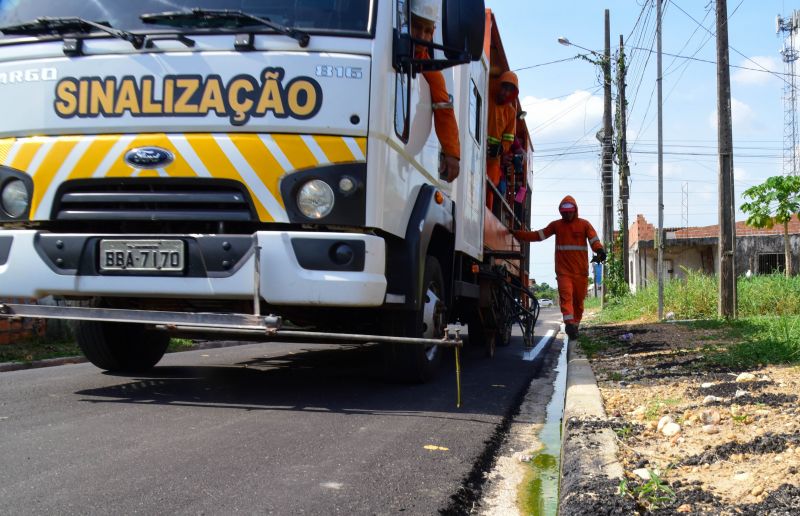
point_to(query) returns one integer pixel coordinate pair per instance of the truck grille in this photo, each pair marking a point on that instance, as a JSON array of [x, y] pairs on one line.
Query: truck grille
[[153, 200]]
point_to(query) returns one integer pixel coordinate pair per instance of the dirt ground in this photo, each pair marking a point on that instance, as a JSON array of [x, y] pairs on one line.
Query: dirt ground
[[708, 440]]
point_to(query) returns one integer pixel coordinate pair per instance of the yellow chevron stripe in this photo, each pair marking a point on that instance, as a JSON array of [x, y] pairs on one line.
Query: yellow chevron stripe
[[335, 149], [251, 146], [295, 150], [93, 156], [5, 148], [261, 161], [26, 153], [219, 166], [50, 165]]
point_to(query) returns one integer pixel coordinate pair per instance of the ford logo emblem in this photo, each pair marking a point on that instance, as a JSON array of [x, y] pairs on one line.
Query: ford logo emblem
[[148, 157]]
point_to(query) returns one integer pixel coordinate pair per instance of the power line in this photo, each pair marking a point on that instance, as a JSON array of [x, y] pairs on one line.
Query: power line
[[762, 68], [545, 64]]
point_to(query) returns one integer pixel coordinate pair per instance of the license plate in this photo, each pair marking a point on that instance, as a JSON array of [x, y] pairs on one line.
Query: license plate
[[141, 255]]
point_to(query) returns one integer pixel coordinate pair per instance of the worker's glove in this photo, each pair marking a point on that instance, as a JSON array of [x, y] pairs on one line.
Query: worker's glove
[[600, 256], [494, 150]]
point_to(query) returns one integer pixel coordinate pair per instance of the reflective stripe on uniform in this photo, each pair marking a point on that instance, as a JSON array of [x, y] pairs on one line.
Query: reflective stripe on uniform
[[508, 137], [568, 317], [571, 248], [442, 105], [541, 234], [492, 139], [593, 240]]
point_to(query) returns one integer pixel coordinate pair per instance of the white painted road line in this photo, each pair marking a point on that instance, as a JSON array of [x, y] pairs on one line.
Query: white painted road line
[[533, 353]]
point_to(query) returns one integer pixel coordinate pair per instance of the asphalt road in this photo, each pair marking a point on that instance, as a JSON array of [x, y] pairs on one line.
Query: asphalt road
[[257, 428]]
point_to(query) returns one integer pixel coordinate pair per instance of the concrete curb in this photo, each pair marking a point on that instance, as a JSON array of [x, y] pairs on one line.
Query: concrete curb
[[6, 367], [587, 454]]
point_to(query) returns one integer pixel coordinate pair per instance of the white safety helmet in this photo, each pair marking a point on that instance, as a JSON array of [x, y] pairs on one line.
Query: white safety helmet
[[428, 9]]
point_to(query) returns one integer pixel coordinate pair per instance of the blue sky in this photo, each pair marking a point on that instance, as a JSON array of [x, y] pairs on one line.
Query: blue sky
[[565, 104]]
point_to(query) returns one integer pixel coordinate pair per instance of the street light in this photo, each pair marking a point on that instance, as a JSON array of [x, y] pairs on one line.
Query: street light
[[567, 43]]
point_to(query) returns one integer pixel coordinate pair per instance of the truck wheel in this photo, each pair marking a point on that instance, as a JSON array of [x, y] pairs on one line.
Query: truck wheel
[[122, 347], [413, 363]]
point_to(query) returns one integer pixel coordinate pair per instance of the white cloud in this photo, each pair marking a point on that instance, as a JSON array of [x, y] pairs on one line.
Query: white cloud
[[563, 118], [743, 117], [755, 74]]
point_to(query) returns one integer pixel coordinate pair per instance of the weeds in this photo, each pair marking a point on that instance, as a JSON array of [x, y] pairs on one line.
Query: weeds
[[655, 406], [739, 419], [624, 432], [652, 494]]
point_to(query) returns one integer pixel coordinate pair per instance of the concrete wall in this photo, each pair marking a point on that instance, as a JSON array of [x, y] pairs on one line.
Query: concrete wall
[[702, 255], [748, 249], [645, 262], [12, 330]]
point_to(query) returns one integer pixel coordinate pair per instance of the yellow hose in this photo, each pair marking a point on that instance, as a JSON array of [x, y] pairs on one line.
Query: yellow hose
[[458, 379]]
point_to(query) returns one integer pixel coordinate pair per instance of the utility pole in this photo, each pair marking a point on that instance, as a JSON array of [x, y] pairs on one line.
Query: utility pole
[[622, 149], [659, 240], [727, 211], [608, 165]]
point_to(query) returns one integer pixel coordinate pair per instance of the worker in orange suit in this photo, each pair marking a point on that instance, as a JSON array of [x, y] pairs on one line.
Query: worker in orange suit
[[572, 262], [502, 121], [424, 16]]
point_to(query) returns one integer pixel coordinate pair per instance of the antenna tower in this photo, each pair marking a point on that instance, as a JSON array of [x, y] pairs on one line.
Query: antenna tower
[[685, 205], [789, 27]]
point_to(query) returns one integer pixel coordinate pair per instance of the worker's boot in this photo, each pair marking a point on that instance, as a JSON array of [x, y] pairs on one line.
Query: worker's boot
[[571, 330]]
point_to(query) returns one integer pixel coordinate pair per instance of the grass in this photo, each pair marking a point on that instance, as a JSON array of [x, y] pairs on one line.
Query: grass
[[38, 349], [757, 341], [767, 330], [31, 350], [695, 297]]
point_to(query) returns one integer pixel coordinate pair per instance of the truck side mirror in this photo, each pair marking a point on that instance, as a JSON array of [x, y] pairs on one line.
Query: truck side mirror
[[463, 24]]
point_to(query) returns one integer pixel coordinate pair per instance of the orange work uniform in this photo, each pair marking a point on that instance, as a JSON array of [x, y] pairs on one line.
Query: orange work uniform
[[502, 126], [444, 117], [572, 260]]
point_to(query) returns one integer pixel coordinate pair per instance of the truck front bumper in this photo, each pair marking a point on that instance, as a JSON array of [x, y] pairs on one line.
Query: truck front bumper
[[296, 268]]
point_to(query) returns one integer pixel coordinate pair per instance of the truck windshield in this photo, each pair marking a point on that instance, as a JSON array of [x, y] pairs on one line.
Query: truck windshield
[[313, 16]]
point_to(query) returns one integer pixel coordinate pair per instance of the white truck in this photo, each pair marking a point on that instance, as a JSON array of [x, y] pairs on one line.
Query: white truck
[[251, 168]]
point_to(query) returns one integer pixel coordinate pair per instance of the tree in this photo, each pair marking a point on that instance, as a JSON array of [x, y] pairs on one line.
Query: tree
[[775, 201]]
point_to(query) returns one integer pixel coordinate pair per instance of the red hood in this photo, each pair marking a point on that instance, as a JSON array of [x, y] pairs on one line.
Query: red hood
[[571, 199]]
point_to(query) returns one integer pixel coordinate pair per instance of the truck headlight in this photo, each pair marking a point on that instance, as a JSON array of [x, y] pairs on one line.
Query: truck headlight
[[14, 198], [315, 199]]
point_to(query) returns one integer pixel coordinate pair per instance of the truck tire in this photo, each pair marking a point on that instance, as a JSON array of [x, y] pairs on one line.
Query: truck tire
[[120, 347], [412, 363]]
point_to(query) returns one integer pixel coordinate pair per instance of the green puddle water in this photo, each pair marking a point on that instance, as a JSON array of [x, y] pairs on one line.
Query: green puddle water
[[540, 489]]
